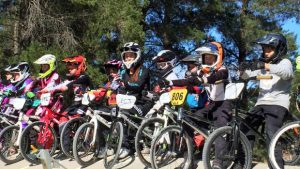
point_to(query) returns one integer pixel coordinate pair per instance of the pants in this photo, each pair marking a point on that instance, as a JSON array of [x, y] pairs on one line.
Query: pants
[[141, 110], [274, 116], [220, 113]]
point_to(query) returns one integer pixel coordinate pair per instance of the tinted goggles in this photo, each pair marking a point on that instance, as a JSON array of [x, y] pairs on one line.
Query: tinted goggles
[[75, 64], [162, 65], [129, 49]]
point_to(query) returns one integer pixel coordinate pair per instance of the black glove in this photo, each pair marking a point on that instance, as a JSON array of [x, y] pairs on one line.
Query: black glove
[[257, 64], [244, 66], [163, 82]]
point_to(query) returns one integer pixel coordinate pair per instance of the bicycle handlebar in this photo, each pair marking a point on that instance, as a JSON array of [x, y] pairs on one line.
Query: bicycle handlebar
[[258, 77]]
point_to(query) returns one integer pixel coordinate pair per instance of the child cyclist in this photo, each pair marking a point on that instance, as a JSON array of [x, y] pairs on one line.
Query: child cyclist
[[111, 68], [273, 101], [210, 56], [20, 79], [134, 77], [168, 68], [48, 77]]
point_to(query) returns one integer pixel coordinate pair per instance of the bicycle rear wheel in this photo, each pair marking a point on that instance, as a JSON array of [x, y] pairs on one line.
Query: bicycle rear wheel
[[171, 149], [222, 142], [113, 143], [286, 138]]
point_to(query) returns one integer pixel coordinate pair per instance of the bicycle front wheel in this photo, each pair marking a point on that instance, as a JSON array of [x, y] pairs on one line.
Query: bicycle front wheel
[[146, 132], [83, 149], [221, 147], [113, 143], [35, 137], [287, 138], [9, 152], [171, 148], [67, 135]]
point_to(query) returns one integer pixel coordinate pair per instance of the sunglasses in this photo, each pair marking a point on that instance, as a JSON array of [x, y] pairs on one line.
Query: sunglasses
[[129, 49]]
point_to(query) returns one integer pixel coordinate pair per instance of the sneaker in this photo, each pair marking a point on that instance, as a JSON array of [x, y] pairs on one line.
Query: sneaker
[[237, 166], [60, 156], [34, 150], [124, 152], [102, 152], [217, 165]]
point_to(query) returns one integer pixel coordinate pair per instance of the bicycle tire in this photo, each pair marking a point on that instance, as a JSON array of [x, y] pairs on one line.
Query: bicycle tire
[[79, 145], [225, 132], [188, 143], [25, 141], [5, 132], [139, 137], [286, 139], [116, 147], [67, 146]]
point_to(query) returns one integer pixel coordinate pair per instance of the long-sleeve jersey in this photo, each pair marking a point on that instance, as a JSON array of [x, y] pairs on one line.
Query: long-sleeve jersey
[[135, 86], [80, 85], [49, 82], [274, 91], [77, 86], [216, 91]]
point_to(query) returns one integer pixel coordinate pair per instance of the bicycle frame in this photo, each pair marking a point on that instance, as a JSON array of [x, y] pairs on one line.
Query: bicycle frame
[[95, 118], [22, 117]]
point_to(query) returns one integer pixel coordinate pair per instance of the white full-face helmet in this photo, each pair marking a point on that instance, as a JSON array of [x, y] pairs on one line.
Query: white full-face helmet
[[131, 47]]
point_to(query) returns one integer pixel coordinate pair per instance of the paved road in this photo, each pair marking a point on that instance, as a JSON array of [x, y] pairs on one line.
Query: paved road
[[130, 163]]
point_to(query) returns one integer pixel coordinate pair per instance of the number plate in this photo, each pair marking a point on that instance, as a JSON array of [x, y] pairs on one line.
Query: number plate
[[178, 96], [85, 99], [45, 99], [125, 101], [19, 103]]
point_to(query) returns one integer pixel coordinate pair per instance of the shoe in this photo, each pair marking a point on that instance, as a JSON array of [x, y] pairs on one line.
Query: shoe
[[60, 156], [237, 166], [102, 152], [34, 150], [124, 152], [217, 165], [146, 150]]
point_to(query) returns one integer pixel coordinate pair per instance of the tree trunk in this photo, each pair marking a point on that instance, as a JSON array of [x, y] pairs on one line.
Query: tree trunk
[[16, 46]]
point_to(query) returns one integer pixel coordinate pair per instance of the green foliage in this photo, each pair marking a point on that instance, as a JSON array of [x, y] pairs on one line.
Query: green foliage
[[85, 2], [98, 28]]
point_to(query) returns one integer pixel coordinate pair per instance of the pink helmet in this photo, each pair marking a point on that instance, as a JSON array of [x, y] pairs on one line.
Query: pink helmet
[[113, 63]]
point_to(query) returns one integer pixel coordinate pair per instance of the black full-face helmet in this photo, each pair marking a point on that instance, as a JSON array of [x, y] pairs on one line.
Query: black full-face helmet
[[276, 41]]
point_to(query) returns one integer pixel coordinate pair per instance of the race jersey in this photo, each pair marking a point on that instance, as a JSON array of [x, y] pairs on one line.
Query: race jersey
[[274, 91]]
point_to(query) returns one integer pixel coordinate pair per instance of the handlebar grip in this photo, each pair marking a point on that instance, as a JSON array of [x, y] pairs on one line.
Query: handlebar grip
[[260, 77], [219, 81]]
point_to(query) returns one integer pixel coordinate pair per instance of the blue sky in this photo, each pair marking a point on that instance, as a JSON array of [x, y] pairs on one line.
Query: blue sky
[[291, 26]]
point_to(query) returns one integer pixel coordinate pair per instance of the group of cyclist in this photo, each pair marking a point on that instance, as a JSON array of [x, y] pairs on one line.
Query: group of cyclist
[[206, 68]]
